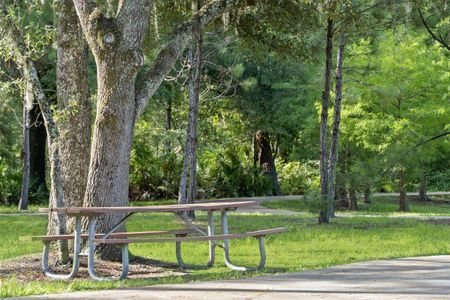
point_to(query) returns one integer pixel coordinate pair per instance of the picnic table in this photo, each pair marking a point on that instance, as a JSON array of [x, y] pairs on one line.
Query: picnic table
[[122, 239]]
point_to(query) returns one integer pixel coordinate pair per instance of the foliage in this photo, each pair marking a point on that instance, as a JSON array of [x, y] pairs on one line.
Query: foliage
[[297, 178], [10, 179], [228, 174]]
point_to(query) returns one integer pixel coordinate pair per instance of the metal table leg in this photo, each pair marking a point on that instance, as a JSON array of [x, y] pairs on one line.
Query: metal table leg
[[212, 245], [226, 249], [91, 255], [76, 255]]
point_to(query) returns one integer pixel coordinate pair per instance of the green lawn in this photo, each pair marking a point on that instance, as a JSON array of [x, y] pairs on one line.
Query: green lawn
[[387, 206], [305, 246]]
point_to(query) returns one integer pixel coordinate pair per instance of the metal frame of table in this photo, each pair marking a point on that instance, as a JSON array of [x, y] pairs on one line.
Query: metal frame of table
[[92, 214]]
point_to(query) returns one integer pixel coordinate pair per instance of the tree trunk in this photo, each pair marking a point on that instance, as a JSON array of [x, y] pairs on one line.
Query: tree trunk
[[194, 82], [351, 195], [367, 193], [266, 160], [27, 107], [336, 124], [423, 189], [168, 126], [326, 202], [117, 47], [73, 103], [38, 141], [402, 186]]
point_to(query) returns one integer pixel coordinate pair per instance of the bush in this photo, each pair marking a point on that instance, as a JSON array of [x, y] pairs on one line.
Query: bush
[[439, 181], [228, 173], [10, 183], [154, 177], [298, 178]]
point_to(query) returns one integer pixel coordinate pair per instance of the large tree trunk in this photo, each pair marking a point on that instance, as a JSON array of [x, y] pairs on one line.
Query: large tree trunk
[[266, 160], [27, 108], [402, 187], [116, 44], [326, 202], [423, 189], [336, 124], [74, 104]]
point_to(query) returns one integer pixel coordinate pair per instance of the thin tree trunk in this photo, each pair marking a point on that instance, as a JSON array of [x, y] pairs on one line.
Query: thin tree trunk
[[423, 189], [266, 160], [168, 126], [326, 202], [367, 193], [73, 103], [351, 195], [336, 124], [27, 107], [194, 82], [402, 186], [38, 141]]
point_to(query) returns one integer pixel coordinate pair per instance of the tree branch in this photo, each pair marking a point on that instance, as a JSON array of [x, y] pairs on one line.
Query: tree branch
[[89, 15], [133, 18], [174, 48], [439, 40]]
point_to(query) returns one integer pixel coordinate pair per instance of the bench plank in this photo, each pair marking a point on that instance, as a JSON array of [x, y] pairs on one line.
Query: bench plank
[[84, 236], [193, 238]]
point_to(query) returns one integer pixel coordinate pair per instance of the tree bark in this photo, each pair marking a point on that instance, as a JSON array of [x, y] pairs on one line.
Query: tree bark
[[336, 124], [423, 189], [73, 103], [27, 108], [367, 194], [404, 207], [194, 81], [326, 202], [266, 160]]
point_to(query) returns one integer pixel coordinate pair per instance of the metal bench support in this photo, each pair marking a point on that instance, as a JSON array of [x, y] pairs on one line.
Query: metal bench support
[[76, 255], [91, 256], [262, 251]]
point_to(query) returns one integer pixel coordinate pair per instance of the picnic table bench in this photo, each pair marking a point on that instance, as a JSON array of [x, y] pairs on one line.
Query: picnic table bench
[[123, 239]]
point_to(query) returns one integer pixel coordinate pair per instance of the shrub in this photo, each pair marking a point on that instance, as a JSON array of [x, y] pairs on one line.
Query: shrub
[[298, 178], [10, 183]]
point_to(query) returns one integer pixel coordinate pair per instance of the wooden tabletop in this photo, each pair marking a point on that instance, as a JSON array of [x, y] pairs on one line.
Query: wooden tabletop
[[211, 206]]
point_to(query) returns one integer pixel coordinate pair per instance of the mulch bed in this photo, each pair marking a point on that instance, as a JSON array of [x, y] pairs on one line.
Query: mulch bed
[[28, 268]]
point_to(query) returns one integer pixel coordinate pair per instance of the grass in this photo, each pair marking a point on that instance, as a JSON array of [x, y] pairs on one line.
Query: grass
[[387, 206], [12, 209], [305, 246]]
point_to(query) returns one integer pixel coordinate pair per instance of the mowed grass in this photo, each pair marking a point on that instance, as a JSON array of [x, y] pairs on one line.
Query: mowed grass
[[305, 246], [380, 206]]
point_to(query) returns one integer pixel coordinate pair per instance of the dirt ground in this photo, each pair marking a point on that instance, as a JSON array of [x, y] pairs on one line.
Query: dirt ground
[[28, 268]]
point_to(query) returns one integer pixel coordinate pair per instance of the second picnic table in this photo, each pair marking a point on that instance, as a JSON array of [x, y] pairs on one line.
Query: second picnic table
[[122, 239]]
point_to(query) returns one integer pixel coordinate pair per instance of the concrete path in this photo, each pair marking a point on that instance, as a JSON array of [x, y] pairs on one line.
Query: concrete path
[[406, 278]]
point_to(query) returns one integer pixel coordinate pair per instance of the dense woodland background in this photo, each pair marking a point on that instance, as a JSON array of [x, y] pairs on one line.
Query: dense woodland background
[[261, 101]]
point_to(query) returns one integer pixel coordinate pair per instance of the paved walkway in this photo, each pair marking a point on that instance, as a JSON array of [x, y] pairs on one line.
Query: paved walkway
[[406, 278]]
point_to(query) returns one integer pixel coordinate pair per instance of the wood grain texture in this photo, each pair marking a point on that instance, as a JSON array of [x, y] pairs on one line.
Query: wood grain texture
[[159, 208], [193, 238]]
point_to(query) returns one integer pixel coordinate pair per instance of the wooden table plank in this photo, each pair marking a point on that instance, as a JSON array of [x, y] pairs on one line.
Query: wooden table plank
[[158, 208]]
